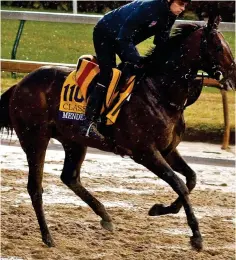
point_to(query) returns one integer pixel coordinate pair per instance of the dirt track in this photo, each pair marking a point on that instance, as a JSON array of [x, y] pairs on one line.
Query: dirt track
[[78, 234]]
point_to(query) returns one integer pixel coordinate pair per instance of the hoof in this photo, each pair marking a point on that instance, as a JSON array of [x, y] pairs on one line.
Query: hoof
[[196, 243], [158, 210], [48, 241], [107, 225]]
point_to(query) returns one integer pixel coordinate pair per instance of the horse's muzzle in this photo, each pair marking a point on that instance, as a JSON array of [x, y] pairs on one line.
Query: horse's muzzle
[[229, 80], [229, 84]]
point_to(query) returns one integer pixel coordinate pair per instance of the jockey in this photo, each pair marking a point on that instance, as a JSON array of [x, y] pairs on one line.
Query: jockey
[[118, 32]]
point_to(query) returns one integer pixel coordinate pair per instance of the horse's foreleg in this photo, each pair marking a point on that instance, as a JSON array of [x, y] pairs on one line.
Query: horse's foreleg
[[154, 161], [35, 151], [178, 164], [74, 156]]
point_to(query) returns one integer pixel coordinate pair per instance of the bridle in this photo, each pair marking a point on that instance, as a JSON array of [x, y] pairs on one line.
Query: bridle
[[215, 71]]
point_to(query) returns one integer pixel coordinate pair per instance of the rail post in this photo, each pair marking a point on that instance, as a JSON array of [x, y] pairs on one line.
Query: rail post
[[16, 43], [226, 136]]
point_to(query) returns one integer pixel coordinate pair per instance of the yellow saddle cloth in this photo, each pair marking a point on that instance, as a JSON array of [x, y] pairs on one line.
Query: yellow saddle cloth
[[74, 93]]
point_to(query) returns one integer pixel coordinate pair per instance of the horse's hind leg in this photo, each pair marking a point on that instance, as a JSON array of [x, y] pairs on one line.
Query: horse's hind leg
[[74, 157], [35, 149], [179, 165]]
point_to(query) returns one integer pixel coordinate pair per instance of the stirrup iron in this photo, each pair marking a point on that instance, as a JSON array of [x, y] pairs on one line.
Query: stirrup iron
[[88, 130]]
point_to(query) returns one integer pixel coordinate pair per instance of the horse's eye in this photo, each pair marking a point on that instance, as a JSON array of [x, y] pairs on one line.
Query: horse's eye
[[219, 48]]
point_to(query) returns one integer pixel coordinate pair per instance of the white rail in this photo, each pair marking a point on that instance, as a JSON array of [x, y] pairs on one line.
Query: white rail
[[50, 17], [82, 18]]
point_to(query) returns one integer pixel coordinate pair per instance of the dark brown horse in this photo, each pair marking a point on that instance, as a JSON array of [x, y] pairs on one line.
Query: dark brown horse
[[149, 128]]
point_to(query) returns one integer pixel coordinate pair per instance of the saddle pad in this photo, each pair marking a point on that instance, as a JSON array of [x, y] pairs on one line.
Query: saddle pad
[[123, 98], [85, 74], [73, 99]]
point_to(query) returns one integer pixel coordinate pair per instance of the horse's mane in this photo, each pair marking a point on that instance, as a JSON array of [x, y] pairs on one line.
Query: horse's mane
[[158, 55], [181, 32]]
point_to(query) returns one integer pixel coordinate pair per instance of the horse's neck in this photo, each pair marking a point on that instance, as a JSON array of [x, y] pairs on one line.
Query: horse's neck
[[175, 84]]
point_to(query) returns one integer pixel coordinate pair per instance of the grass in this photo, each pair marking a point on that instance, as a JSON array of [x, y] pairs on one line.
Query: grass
[[44, 41], [64, 43], [207, 113], [58, 42], [230, 38], [52, 42]]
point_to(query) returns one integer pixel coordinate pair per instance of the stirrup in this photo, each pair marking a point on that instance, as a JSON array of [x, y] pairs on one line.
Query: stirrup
[[93, 132], [88, 130]]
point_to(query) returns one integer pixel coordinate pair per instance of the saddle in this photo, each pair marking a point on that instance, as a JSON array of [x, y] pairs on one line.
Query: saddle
[[79, 84]]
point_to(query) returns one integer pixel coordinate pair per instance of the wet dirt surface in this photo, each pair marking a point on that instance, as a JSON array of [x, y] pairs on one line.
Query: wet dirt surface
[[128, 191]]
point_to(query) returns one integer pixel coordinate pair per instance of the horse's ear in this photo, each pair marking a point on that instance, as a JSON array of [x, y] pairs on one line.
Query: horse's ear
[[214, 17], [213, 23], [218, 19]]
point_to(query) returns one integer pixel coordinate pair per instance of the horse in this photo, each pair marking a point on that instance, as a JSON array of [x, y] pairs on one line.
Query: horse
[[148, 129]]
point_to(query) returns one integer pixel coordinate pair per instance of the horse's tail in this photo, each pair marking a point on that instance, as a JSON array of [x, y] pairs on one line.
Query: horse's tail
[[5, 120]]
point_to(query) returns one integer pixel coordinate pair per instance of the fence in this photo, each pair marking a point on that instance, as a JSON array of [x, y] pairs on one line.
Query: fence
[[23, 66], [27, 66], [82, 18]]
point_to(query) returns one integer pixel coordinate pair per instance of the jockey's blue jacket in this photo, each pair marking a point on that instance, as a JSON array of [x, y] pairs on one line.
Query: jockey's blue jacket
[[135, 22]]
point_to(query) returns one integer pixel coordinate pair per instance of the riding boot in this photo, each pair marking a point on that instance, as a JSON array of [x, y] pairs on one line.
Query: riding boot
[[92, 112]]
